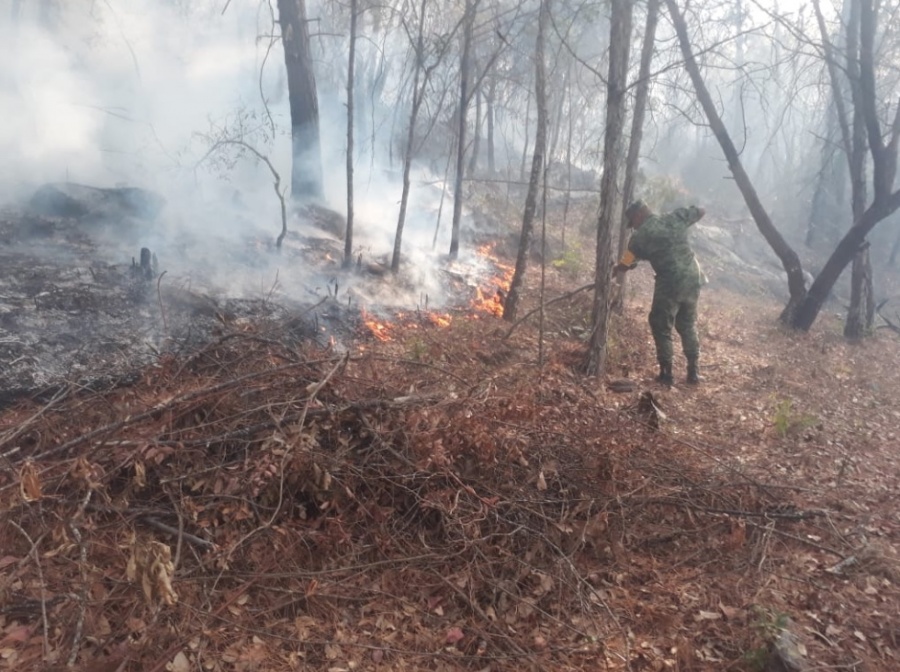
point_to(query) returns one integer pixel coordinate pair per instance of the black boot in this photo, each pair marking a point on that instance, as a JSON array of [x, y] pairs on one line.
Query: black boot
[[665, 374], [693, 374]]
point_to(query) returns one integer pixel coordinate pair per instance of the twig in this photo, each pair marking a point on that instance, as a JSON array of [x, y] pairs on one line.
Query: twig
[[312, 389], [79, 625], [796, 515], [13, 433], [37, 561], [567, 295], [808, 542], [132, 419], [179, 533], [162, 311]]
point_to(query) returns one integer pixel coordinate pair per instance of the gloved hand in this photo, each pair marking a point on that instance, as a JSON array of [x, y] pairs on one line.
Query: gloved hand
[[622, 268]]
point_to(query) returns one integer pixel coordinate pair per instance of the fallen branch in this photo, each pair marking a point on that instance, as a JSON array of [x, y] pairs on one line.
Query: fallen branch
[[85, 584], [890, 325], [37, 561], [563, 297]]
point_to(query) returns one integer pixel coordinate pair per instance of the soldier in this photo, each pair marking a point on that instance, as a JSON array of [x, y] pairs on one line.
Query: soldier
[[663, 241]]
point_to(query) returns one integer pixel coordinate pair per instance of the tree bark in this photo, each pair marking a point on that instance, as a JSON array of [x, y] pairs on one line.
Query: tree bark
[[417, 98], [641, 94], [510, 306], [861, 313], [619, 44], [351, 82], [789, 259], [465, 75], [476, 136], [489, 111], [306, 156]]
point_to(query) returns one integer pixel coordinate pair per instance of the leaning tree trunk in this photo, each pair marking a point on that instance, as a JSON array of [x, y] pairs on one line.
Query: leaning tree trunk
[[619, 43], [884, 171], [351, 82], [537, 166], [465, 75], [789, 259], [306, 156], [807, 311], [641, 94]]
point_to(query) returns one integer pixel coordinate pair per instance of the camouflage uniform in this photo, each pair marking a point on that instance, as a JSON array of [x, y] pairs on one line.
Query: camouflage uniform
[[663, 241]]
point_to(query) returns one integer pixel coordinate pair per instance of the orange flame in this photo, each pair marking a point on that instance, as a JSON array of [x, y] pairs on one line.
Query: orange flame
[[493, 302], [386, 330], [380, 330]]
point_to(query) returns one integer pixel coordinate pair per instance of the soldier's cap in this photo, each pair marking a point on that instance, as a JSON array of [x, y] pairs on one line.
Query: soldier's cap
[[635, 207]]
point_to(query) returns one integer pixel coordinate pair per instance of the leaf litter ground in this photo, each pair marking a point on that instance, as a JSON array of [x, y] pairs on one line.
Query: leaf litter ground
[[439, 501]]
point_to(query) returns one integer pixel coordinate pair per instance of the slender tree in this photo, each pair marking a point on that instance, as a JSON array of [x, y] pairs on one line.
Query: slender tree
[[351, 83], [421, 77], [465, 75], [642, 92], [511, 304], [616, 84]]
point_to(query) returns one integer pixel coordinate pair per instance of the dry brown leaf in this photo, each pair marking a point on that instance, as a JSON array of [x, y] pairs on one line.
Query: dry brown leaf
[[30, 482], [180, 663], [454, 635]]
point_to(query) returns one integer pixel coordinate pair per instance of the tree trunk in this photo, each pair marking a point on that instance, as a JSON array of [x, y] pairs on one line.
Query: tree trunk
[[642, 92], [417, 98], [511, 304], [306, 167], [829, 195], [557, 118], [527, 136], [619, 43], [570, 132], [351, 80], [489, 111], [476, 135], [464, 83], [789, 259], [895, 250], [861, 314]]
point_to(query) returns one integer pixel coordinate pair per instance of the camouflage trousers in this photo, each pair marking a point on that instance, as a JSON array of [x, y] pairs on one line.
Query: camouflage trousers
[[675, 306]]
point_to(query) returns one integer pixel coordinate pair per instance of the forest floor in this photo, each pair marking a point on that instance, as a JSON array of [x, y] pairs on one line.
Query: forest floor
[[446, 499]]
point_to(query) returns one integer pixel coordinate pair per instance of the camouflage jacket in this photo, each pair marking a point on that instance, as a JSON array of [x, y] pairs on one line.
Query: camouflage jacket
[[663, 241]]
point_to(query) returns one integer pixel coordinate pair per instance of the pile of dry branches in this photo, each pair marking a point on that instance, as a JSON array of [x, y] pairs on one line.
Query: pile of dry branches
[[264, 505]]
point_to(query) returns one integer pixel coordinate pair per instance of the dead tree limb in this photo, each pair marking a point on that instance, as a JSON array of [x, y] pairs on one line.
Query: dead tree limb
[[563, 297]]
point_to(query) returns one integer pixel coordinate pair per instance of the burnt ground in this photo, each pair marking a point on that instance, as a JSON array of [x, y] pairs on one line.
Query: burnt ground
[[76, 309], [450, 499]]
